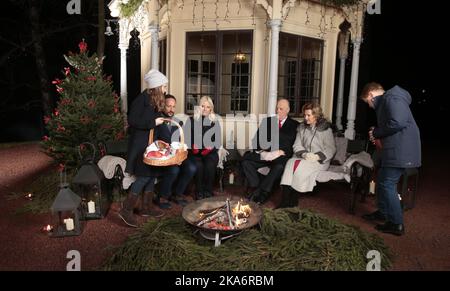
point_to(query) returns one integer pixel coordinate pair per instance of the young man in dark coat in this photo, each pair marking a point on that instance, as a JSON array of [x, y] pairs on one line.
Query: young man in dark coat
[[175, 177], [400, 149], [272, 152]]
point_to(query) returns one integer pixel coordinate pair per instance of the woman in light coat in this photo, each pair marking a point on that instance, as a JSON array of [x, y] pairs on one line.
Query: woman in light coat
[[314, 148]]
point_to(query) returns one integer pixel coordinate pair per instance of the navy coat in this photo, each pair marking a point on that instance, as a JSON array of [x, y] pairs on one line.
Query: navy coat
[[397, 129], [141, 119]]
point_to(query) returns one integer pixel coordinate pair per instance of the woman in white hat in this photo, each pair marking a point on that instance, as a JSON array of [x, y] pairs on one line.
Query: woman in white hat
[[143, 116]]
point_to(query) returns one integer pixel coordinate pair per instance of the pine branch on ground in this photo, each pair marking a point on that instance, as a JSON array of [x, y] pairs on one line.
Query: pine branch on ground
[[288, 240]]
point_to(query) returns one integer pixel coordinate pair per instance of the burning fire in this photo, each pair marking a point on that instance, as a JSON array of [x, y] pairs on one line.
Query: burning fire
[[240, 213], [225, 217]]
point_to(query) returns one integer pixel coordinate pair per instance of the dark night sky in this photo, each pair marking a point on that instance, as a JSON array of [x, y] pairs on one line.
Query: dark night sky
[[401, 46]]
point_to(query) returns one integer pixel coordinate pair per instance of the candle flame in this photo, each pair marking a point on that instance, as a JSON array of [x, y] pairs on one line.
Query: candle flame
[[48, 228]]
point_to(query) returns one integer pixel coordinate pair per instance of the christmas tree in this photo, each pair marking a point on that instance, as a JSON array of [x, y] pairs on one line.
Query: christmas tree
[[88, 111]]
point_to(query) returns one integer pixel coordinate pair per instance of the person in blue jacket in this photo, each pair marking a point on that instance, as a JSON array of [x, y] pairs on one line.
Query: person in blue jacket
[[399, 136]]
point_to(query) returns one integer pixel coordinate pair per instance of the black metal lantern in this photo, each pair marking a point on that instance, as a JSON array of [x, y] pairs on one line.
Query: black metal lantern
[[89, 182], [66, 213]]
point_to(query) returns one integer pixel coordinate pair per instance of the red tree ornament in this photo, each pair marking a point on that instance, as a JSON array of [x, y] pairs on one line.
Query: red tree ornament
[[83, 46]]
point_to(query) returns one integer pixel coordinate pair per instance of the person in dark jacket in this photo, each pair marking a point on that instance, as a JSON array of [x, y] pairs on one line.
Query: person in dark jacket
[[399, 136], [280, 132], [143, 116], [205, 140], [175, 177]]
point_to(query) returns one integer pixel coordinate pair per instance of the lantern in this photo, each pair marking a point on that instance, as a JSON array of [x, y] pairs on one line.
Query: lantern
[[89, 182], [66, 212]]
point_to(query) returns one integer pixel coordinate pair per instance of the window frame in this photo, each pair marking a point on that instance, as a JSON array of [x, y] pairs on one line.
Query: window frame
[[219, 74], [296, 61]]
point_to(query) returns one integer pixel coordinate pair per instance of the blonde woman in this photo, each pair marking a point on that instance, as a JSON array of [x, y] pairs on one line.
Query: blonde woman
[[205, 140], [314, 148]]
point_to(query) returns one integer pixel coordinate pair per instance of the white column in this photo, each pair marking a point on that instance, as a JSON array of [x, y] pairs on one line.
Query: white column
[[155, 46], [275, 25], [123, 78], [340, 99], [352, 98], [124, 39]]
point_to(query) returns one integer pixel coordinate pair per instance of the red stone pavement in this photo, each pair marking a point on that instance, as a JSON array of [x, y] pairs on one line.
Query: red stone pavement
[[425, 246]]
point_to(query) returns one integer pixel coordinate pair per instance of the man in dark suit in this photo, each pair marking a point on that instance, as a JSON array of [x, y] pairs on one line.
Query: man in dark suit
[[273, 142]]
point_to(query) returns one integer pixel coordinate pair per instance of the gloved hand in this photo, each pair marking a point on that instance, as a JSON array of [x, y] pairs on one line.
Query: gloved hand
[[311, 157], [206, 151], [195, 149]]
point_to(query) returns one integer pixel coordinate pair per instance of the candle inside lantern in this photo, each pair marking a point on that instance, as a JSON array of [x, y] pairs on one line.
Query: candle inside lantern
[[231, 178], [69, 224], [91, 207], [47, 229], [372, 187]]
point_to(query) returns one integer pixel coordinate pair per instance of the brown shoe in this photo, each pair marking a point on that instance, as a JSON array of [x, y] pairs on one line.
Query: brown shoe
[[148, 209], [126, 213]]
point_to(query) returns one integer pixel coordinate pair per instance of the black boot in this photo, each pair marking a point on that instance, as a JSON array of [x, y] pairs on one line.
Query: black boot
[[293, 198], [285, 196], [147, 206], [126, 213]]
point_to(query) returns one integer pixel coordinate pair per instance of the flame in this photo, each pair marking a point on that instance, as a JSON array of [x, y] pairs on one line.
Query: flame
[[241, 210], [47, 228]]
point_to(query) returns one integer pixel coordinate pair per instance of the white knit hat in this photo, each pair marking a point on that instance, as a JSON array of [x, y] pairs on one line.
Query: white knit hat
[[155, 78]]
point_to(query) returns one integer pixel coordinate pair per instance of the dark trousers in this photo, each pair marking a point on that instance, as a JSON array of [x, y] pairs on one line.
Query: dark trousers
[[167, 176], [252, 163], [187, 171], [206, 172]]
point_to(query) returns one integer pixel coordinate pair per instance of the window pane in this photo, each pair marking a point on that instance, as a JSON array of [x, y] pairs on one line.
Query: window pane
[[230, 44], [235, 72], [208, 44], [300, 70], [194, 45], [205, 68], [243, 105], [163, 56], [292, 49], [193, 66]]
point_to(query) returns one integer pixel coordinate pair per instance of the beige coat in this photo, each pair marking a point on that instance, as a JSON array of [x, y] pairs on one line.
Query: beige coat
[[318, 140]]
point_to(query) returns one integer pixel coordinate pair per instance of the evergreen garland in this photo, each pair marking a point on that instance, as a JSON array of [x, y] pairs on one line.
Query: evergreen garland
[[128, 9], [288, 240]]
